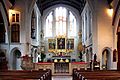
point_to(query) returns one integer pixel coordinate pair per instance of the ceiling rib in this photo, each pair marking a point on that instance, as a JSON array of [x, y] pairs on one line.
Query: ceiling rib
[[44, 4]]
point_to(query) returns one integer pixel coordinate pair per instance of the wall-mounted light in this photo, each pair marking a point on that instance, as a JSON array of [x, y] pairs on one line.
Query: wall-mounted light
[[110, 10], [11, 12], [14, 15]]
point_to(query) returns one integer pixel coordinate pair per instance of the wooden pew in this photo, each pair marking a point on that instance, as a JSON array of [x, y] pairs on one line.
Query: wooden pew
[[96, 75], [99, 75], [25, 75]]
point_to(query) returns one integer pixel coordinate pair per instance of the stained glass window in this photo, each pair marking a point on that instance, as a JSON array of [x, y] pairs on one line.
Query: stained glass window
[[60, 21]]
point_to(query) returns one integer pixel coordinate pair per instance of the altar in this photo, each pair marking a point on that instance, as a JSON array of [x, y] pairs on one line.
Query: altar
[[60, 68], [61, 62]]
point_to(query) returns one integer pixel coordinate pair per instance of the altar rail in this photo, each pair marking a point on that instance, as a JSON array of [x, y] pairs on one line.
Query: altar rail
[[25, 74], [61, 68]]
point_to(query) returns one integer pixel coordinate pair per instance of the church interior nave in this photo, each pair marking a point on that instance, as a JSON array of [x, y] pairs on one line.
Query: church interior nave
[[57, 39]]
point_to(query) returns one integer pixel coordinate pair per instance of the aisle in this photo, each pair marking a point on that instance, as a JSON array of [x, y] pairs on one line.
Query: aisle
[[61, 77]]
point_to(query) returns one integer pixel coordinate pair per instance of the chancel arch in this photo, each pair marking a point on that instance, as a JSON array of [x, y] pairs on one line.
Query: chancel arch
[[56, 24], [51, 11]]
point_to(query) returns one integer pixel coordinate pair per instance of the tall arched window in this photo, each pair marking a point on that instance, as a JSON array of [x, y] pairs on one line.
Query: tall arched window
[[60, 21], [14, 18], [33, 26], [72, 25], [49, 24], [15, 33]]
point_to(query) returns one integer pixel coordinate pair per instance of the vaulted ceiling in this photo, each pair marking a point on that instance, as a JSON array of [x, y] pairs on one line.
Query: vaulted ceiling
[[12, 2], [44, 4]]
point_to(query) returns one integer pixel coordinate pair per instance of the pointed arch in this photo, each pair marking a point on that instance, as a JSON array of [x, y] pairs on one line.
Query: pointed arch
[[74, 11], [15, 58], [106, 57], [60, 20]]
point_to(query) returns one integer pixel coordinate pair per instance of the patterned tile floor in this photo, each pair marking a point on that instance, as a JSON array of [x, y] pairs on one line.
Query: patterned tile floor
[[61, 77]]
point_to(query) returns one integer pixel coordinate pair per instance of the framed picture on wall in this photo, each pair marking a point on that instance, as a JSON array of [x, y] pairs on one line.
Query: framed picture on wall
[[61, 43], [51, 44], [70, 44]]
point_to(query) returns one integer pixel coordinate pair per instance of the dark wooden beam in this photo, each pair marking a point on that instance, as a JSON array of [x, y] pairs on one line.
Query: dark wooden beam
[[115, 14]]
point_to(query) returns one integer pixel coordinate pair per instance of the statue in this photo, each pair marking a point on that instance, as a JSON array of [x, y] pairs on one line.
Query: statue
[[39, 57], [80, 56], [95, 57], [42, 56], [42, 35]]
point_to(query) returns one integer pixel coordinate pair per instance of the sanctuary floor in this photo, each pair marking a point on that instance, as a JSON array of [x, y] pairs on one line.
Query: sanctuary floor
[[61, 77]]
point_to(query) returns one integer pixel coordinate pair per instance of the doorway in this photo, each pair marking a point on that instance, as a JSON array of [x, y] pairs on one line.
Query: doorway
[[106, 59], [16, 59]]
